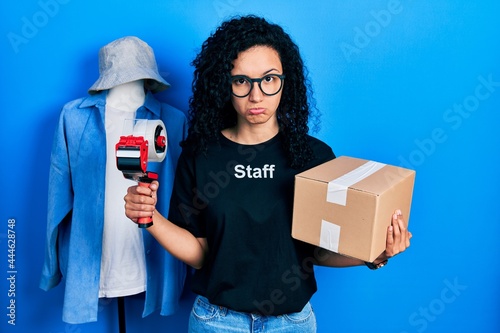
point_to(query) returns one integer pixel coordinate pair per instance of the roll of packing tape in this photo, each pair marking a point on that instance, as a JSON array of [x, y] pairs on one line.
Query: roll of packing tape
[[150, 130]]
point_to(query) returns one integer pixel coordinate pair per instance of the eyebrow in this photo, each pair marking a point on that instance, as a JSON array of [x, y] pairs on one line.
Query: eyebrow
[[272, 69], [263, 74]]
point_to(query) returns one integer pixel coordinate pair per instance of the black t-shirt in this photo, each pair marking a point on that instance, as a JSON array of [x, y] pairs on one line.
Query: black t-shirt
[[240, 197]]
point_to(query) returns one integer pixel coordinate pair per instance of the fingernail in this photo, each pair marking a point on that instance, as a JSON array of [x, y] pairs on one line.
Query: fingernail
[[398, 212], [395, 216]]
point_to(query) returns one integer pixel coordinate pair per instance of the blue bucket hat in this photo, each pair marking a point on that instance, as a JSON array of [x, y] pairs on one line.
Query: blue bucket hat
[[125, 60]]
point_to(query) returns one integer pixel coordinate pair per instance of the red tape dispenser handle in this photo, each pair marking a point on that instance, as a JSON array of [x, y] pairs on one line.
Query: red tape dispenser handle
[[145, 181]]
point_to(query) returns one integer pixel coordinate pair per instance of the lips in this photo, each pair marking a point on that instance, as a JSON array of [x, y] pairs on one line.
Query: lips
[[256, 111]]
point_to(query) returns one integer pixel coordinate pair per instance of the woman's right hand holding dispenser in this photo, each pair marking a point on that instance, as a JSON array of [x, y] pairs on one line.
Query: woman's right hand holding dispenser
[[140, 201]]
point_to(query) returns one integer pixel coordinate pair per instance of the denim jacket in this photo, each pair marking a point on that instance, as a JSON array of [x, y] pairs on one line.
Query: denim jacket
[[75, 215]]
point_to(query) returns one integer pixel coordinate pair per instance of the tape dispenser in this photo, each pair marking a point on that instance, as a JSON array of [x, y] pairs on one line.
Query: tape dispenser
[[147, 143]]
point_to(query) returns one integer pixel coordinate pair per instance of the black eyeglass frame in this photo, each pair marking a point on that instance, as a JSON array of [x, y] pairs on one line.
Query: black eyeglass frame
[[259, 81]]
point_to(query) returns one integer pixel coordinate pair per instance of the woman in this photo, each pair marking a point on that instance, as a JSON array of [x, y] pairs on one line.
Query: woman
[[231, 208]]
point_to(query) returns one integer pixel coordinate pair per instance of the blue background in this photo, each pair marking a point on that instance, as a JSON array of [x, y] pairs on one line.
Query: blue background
[[410, 83]]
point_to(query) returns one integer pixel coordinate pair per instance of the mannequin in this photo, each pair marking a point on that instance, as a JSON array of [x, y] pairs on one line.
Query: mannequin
[[123, 267], [127, 96], [90, 242]]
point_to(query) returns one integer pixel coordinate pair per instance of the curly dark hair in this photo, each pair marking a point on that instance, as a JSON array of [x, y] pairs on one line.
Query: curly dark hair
[[210, 107]]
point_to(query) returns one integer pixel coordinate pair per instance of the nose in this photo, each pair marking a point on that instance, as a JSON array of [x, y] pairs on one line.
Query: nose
[[256, 95]]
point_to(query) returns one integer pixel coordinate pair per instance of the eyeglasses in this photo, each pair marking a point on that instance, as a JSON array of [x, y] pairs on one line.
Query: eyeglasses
[[242, 85]]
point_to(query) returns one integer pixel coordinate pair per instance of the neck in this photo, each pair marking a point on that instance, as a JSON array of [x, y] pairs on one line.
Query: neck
[[127, 97], [250, 135]]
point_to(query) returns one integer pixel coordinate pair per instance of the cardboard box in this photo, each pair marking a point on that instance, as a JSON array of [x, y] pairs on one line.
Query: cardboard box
[[345, 205]]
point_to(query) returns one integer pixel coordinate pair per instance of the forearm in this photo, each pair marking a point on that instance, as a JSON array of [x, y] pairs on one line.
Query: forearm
[[178, 241], [327, 258]]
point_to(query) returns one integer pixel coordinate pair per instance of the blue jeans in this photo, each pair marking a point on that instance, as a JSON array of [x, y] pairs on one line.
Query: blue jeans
[[208, 318]]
